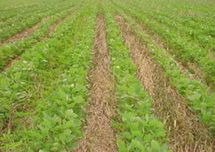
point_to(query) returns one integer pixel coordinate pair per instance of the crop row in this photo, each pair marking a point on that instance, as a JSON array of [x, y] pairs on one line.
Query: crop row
[[6, 14], [26, 20], [12, 5], [184, 50], [186, 13], [137, 127], [11, 50], [43, 94], [46, 90], [195, 93]]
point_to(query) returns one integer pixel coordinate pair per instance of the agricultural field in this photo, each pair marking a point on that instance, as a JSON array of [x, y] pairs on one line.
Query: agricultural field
[[107, 76]]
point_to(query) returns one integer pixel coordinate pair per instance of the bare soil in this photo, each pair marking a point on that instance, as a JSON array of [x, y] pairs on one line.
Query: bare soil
[[98, 133], [185, 132]]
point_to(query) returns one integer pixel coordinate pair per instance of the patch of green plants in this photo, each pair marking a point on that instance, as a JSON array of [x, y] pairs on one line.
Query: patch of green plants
[[48, 87], [137, 129], [9, 51], [183, 49], [195, 93], [21, 22]]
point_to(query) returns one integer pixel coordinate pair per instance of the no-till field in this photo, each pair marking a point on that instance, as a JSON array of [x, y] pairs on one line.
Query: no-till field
[[107, 76]]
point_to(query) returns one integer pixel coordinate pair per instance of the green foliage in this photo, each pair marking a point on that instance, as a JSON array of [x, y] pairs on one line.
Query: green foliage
[[9, 51], [196, 94], [46, 91], [17, 19], [189, 41], [138, 129], [43, 95]]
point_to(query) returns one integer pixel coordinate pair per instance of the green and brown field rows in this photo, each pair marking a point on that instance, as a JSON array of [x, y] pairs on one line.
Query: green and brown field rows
[[107, 76]]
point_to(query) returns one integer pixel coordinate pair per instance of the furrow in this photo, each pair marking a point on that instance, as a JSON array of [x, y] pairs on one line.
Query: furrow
[[25, 33], [99, 135], [54, 26], [184, 130], [48, 34], [189, 69]]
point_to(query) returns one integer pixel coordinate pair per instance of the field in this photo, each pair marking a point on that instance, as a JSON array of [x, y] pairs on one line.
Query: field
[[107, 75]]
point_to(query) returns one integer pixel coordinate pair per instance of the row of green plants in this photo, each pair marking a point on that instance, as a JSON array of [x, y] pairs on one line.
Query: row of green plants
[[6, 14], [27, 20], [189, 14], [18, 72], [200, 37], [137, 129], [185, 51], [13, 14], [9, 5], [48, 87], [163, 16], [11, 50], [196, 94]]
